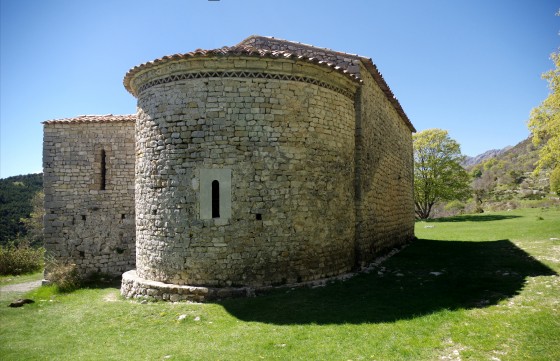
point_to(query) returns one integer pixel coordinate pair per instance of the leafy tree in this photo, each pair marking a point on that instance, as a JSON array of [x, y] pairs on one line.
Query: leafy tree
[[555, 180], [545, 121], [476, 172], [438, 174], [15, 203], [482, 188], [34, 224]]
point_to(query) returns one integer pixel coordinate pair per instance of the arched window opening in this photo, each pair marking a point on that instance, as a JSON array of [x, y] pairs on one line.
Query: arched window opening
[[103, 179], [215, 195], [215, 199]]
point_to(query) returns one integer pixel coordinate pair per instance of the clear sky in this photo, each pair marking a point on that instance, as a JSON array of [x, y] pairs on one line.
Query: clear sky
[[471, 67]]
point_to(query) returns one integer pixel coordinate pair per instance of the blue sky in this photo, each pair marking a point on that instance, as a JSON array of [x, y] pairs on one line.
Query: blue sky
[[471, 67]]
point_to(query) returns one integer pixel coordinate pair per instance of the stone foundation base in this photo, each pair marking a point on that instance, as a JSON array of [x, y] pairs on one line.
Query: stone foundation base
[[133, 286]]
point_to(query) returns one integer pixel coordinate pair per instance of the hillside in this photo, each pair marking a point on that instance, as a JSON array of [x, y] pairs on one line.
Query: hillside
[[503, 179], [15, 203], [508, 175]]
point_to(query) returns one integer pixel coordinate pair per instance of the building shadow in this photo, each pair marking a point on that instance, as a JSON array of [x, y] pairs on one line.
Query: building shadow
[[472, 218], [426, 277]]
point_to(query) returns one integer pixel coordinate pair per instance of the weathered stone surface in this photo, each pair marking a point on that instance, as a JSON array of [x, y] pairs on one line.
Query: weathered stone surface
[[292, 188], [134, 286], [384, 175], [86, 225], [384, 165]]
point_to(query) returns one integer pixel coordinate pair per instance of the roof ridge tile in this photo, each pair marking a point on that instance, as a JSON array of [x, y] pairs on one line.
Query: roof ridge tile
[[107, 118]]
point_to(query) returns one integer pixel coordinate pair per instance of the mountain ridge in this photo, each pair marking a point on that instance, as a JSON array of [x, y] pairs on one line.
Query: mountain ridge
[[482, 157]]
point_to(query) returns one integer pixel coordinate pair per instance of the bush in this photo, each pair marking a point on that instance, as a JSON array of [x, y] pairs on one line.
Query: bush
[[456, 206], [64, 276], [20, 259]]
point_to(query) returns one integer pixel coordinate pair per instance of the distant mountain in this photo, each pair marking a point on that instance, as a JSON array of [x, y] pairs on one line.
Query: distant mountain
[[520, 157], [492, 153], [15, 203]]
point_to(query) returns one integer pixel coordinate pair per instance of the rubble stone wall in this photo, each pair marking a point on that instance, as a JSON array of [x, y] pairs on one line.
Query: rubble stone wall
[[384, 163], [289, 145], [384, 175], [89, 195]]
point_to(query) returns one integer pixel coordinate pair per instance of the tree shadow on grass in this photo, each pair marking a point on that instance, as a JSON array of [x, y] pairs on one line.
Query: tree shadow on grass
[[473, 218], [426, 277]]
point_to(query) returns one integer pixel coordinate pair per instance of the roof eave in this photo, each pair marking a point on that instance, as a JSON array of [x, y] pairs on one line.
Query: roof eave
[[237, 50], [90, 119], [372, 69]]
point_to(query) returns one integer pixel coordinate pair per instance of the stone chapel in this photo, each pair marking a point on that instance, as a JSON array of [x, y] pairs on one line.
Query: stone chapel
[[265, 163]]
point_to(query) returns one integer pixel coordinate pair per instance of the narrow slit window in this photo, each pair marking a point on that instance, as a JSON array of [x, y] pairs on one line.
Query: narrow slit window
[[215, 199], [103, 180], [215, 195]]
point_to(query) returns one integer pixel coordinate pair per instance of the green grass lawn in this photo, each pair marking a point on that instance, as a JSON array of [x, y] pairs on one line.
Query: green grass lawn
[[480, 287]]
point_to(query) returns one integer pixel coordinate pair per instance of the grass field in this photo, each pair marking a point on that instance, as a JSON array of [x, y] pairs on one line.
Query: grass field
[[480, 287]]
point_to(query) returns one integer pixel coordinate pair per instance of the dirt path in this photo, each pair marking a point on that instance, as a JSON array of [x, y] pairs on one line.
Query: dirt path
[[21, 287]]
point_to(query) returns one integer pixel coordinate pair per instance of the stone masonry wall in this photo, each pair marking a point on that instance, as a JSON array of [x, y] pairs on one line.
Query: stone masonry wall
[[384, 175], [89, 212], [384, 166], [290, 147]]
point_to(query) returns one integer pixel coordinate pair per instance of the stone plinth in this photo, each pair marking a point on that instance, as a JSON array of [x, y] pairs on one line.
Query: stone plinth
[[136, 287]]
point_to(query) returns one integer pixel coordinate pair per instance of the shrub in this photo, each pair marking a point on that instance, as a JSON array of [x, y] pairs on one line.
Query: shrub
[[456, 206], [20, 259], [64, 276]]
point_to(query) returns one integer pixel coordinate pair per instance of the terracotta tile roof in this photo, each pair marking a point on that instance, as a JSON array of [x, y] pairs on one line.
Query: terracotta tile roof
[[277, 44], [340, 59], [237, 50], [108, 118]]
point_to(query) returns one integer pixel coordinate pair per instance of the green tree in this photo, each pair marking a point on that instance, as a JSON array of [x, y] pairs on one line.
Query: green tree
[[15, 203], [34, 224], [545, 121], [555, 180], [438, 174]]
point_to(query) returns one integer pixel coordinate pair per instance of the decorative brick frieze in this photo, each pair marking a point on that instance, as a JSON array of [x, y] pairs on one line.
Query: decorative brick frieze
[[243, 74]]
